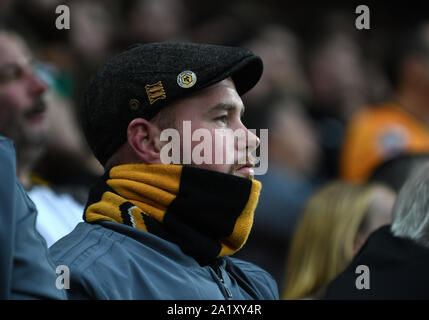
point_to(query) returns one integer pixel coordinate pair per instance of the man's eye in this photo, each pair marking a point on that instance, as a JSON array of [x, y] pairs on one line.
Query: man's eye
[[223, 119], [10, 73]]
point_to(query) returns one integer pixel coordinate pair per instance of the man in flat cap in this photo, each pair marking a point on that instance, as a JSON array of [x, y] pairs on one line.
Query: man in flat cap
[[155, 230]]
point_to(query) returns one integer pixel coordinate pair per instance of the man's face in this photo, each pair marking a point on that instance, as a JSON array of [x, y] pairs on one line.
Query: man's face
[[217, 109], [22, 110]]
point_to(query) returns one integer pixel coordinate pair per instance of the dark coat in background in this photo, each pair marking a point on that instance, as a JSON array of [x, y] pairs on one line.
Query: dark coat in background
[[398, 269]]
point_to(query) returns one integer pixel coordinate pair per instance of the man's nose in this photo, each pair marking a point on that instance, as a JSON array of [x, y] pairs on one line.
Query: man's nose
[[36, 85], [252, 141]]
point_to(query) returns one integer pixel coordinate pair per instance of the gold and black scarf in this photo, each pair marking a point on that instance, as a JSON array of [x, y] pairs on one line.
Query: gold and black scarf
[[207, 213]]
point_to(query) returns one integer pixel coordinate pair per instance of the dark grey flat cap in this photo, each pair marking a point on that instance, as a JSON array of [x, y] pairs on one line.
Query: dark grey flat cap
[[139, 82]]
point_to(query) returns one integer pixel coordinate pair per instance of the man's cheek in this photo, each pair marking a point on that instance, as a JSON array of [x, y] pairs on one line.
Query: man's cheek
[[13, 101], [7, 114], [223, 148], [206, 147]]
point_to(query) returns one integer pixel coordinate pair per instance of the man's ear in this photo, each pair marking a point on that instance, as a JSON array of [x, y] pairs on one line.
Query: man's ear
[[143, 138]]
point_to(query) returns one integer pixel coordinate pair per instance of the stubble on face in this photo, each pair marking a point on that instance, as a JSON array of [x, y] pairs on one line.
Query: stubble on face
[[22, 106]]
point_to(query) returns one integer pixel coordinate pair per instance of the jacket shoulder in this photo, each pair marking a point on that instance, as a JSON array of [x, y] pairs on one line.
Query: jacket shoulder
[[81, 252], [85, 244], [262, 283]]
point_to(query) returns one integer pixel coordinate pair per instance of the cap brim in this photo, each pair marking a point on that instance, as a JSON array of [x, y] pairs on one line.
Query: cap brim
[[247, 73]]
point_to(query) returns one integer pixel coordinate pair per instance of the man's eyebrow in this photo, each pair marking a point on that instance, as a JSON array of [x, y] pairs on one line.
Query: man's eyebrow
[[9, 65], [15, 64], [227, 107]]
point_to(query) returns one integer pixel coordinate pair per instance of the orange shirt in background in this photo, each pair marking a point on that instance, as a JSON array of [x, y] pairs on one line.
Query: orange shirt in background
[[376, 134]]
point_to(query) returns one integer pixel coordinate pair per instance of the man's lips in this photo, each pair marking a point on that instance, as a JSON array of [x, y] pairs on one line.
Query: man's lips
[[246, 170], [36, 112]]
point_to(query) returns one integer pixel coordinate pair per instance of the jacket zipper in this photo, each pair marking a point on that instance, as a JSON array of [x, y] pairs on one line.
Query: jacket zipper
[[228, 292]]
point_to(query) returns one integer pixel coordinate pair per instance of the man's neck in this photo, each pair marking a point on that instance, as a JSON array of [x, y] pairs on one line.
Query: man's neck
[[23, 174], [26, 160]]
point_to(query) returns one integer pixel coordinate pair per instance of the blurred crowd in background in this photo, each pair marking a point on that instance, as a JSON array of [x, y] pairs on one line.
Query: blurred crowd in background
[[344, 109]]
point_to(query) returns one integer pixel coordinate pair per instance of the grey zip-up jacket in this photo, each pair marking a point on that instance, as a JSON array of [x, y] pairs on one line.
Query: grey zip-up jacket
[[114, 261], [26, 271]]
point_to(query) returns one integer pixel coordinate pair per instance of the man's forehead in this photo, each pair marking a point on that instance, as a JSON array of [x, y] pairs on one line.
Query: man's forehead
[[12, 52], [222, 93], [228, 82], [223, 98]]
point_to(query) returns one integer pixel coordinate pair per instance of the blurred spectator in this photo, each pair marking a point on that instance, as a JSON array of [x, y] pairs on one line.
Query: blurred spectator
[[67, 163], [336, 72], [397, 257], [337, 76], [334, 225], [152, 21], [394, 172], [92, 29], [24, 119], [23, 110], [26, 271], [6, 8], [90, 41], [400, 125], [279, 48], [219, 26], [293, 156]]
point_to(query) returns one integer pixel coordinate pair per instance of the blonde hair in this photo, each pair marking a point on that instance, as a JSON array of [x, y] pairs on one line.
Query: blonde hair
[[323, 242]]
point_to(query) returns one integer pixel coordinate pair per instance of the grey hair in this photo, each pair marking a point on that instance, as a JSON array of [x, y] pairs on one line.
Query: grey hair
[[410, 215]]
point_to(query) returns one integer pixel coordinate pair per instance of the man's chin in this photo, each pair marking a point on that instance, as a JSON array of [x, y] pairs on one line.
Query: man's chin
[[241, 175], [35, 136], [245, 172]]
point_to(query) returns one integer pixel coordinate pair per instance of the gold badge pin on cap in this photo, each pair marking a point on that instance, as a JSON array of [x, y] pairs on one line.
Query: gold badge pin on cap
[[186, 79]]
